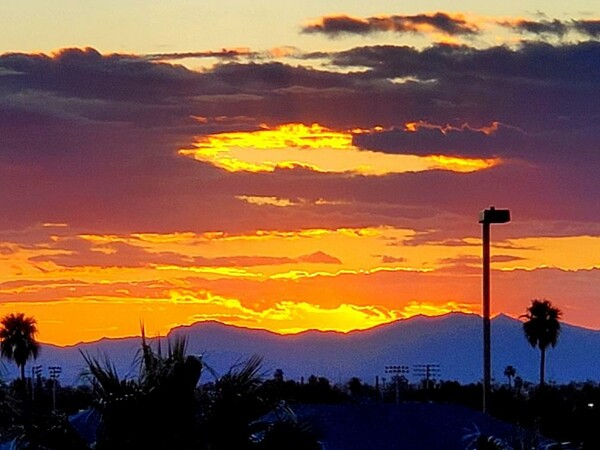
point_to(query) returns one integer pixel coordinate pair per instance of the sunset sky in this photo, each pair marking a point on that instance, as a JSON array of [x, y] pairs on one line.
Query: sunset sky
[[294, 165]]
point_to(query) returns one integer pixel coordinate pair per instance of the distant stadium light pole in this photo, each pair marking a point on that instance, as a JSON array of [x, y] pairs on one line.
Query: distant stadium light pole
[[55, 372], [397, 371], [36, 372], [486, 218]]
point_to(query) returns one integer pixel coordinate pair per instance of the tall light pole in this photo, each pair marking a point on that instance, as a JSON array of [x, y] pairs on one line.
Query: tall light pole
[[36, 373], [486, 218], [397, 371], [55, 372]]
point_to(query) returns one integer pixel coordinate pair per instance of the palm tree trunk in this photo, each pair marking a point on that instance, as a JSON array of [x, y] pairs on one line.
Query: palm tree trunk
[[542, 365], [24, 390]]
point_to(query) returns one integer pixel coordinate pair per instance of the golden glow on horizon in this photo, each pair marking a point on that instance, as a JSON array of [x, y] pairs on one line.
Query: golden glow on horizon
[[298, 274], [567, 253], [315, 148], [281, 280], [219, 271], [75, 320], [428, 309]]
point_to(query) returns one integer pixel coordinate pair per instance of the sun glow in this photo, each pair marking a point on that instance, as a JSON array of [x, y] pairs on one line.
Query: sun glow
[[314, 148]]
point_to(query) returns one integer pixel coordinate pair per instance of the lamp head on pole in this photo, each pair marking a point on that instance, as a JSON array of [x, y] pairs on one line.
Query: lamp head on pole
[[494, 215]]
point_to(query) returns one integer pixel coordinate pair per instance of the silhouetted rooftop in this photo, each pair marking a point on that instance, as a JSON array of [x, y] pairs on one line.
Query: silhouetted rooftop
[[407, 426]]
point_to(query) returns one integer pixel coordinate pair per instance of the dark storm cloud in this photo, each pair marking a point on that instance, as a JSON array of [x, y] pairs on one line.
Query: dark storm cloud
[[84, 87], [555, 27], [91, 140], [536, 87], [589, 27], [454, 141], [451, 25], [544, 199], [560, 28], [559, 147], [532, 61], [113, 88], [533, 103], [419, 23], [86, 74]]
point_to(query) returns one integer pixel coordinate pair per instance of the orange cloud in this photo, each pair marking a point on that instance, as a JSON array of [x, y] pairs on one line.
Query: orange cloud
[[284, 281], [428, 23], [435, 309]]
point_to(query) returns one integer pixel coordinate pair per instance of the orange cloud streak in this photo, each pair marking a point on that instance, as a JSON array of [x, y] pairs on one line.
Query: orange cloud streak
[[328, 279]]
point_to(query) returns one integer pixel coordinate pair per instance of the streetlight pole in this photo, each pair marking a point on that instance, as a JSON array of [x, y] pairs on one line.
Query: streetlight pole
[[486, 218]]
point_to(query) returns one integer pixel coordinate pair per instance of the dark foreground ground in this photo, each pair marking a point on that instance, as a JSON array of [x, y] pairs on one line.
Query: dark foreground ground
[[409, 426]]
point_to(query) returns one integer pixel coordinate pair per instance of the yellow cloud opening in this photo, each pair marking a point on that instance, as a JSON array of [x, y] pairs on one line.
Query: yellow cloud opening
[[316, 148]]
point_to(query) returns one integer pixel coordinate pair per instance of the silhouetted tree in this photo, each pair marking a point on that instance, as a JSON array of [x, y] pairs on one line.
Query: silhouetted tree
[[235, 406], [542, 329], [355, 386], [510, 372], [519, 383], [320, 390], [278, 376], [157, 410], [17, 339]]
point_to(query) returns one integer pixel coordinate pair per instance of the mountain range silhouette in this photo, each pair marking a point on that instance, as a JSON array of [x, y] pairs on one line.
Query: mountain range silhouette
[[454, 341]]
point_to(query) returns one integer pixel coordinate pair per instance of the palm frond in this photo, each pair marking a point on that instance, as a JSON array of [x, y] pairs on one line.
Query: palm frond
[[103, 376], [245, 374], [542, 326]]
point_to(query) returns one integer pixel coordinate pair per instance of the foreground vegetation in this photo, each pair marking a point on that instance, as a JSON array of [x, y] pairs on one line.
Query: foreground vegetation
[[166, 407], [162, 408]]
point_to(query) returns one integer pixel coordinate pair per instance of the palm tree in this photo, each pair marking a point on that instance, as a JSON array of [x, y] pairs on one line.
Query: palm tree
[[17, 339], [157, 409], [542, 328], [235, 406], [510, 372]]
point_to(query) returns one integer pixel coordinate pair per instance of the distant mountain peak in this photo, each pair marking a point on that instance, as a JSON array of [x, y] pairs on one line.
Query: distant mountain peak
[[504, 318]]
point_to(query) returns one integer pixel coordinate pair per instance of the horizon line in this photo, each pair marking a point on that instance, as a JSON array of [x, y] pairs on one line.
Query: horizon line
[[291, 334]]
